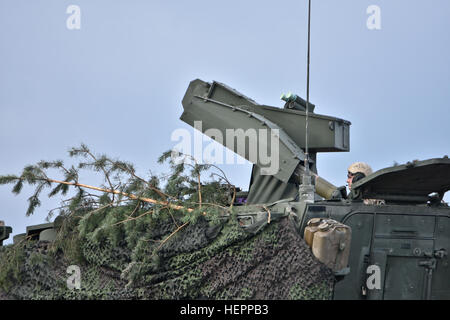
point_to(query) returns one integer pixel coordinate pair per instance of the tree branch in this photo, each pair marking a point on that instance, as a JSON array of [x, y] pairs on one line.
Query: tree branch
[[131, 196]]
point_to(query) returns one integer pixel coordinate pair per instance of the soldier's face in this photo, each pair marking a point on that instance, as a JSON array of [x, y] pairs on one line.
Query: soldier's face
[[349, 180]]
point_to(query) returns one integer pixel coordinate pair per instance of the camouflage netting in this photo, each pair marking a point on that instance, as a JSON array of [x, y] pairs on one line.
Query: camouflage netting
[[145, 259]]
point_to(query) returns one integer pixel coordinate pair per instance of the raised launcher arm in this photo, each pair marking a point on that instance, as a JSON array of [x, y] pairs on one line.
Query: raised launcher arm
[[247, 128]]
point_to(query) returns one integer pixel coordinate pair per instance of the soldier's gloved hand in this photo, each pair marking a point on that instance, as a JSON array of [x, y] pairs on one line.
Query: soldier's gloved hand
[[339, 193]]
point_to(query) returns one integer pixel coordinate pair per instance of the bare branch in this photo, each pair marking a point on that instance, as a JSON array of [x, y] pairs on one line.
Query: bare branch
[[171, 235], [131, 196]]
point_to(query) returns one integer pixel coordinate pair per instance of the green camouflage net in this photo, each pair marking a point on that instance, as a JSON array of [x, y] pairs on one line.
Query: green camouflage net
[[145, 259]]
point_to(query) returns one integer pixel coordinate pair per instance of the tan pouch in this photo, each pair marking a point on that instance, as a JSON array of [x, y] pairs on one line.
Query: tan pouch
[[311, 227], [331, 244]]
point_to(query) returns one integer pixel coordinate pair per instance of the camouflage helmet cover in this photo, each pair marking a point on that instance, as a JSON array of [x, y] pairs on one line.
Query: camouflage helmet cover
[[360, 167]]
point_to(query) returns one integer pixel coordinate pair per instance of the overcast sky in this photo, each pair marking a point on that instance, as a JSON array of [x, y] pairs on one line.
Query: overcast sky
[[117, 82]]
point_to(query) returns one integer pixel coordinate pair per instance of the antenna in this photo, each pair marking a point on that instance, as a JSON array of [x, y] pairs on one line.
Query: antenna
[[307, 88], [307, 190]]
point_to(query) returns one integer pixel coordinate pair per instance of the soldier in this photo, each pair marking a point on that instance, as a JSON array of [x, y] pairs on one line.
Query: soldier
[[357, 171]]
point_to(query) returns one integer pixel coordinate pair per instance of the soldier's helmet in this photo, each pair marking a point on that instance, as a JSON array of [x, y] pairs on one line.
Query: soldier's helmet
[[360, 167]]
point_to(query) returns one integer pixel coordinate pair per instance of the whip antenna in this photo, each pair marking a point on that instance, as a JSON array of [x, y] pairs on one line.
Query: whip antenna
[[306, 189], [307, 87]]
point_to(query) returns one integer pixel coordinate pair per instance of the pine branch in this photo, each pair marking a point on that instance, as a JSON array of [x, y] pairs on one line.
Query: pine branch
[[8, 179], [102, 162], [183, 187], [130, 170], [128, 195], [45, 181]]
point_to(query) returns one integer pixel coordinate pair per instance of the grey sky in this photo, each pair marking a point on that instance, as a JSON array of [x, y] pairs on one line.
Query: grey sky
[[117, 83]]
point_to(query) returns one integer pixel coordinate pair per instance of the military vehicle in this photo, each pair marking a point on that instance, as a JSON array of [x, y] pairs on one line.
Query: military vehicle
[[4, 232], [38, 232], [398, 250]]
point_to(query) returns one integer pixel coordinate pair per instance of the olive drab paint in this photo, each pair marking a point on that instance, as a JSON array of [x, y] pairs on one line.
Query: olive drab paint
[[399, 245]]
